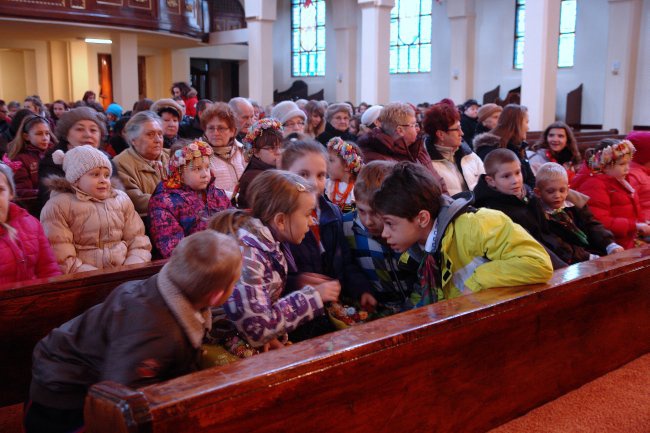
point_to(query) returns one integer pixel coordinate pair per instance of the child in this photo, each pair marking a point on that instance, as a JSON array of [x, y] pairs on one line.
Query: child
[[569, 217], [502, 188], [26, 253], [614, 201], [392, 286], [265, 140], [459, 251], [183, 204], [282, 204], [32, 141], [145, 332], [90, 224], [344, 165], [324, 251]]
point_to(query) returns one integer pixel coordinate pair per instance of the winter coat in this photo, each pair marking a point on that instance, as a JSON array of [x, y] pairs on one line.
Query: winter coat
[[480, 129], [26, 176], [253, 169], [140, 179], [542, 156], [175, 213], [468, 125], [481, 250], [88, 234], [611, 203], [190, 105], [376, 145], [486, 143], [256, 306], [331, 132], [144, 332], [29, 254], [191, 130], [639, 178], [468, 164], [227, 172]]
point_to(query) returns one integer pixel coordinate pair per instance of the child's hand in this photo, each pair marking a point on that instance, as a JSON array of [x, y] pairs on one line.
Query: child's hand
[[273, 345], [368, 302], [617, 250], [311, 279], [643, 229], [329, 291]]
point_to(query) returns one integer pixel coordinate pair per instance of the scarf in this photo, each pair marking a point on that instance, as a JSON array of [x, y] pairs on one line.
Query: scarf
[[428, 271], [561, 217]]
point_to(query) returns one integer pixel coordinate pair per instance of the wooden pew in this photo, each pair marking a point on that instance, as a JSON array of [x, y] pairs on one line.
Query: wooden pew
[[464, 365], [31, 309]]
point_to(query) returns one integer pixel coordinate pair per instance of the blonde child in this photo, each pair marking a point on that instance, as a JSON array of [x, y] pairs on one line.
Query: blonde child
[[281, 209], [90, 224], [32, 141], [569, 217], [183, 204], [344, 165], [614, 202]]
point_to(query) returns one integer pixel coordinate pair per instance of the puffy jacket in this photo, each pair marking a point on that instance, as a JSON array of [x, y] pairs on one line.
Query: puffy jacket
[[29, 254], [26, 177], [611, 203], [639, 178], [468, 164], [88, 234]]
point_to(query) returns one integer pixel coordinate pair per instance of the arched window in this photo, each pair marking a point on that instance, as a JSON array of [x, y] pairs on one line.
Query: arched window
[[566, 45], [307, 38], [410, 36]]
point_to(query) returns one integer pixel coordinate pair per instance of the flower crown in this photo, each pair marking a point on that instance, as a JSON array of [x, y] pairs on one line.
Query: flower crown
[[610, 154], [258, 127], [184, 157], [348, 152]]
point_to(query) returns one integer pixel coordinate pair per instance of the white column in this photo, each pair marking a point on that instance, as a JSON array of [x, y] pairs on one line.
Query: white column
[[622, 49], [375, 57], [124, 58], [180, 67], [462, 20], [260, 16], [79, 69], [345, 28], [539, 75]]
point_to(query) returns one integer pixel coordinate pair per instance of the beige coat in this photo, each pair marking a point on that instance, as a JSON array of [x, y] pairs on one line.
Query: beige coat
[[139, 177], [88, 234]]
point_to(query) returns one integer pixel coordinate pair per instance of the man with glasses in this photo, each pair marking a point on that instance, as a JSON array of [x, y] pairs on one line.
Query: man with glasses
[[398, 139]]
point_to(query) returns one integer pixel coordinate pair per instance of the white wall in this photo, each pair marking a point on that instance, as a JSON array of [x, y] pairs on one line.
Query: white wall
[[642, 94]]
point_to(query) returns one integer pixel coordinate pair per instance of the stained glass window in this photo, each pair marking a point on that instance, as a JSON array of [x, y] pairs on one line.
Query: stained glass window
[[567, 37], [410, 36], [307, 38]]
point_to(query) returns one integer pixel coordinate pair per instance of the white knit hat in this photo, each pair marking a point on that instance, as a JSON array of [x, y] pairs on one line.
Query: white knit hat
[[287, 110], [81, 160], [371, 114]]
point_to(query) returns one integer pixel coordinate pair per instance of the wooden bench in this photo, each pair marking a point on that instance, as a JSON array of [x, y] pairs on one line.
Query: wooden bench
[[464, 365], [31, 309]]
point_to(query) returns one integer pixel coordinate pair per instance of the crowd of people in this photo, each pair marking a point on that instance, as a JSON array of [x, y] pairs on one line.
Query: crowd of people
[[274, 212]]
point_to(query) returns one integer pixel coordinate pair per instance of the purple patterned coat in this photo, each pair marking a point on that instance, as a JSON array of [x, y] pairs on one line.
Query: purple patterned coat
[[176, 213], [255, 307]]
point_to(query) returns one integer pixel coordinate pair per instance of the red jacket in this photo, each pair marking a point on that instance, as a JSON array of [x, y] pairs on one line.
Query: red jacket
[[611, 203], [26, 177], [29, 255], [639, 178]]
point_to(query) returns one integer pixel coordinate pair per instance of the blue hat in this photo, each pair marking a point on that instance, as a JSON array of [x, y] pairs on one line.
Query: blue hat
[[115, 110]]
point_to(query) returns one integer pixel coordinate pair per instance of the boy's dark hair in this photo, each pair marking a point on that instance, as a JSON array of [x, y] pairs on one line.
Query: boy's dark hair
[[293, 150], [370, 179], [494, 159], [407, 190]]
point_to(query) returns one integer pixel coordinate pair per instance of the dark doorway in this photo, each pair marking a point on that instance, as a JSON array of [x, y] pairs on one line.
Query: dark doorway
[[217, 80], [142, 77]]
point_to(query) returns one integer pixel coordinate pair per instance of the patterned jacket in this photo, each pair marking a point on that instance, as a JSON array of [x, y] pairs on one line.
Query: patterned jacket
[[178, 212], [255, 307]]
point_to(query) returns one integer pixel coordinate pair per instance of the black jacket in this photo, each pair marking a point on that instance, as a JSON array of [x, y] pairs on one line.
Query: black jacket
[[331, 132]]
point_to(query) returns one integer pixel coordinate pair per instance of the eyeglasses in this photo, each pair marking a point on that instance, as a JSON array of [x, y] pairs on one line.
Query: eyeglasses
[[410, 125], [277, 148], [219, 129], [294, 124]]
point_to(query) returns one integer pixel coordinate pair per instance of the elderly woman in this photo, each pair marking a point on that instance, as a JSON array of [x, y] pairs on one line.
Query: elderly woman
[[290, 116], [143, 165], [171, 114], [338, 118], [218, 122], [452, 158], [79, 126]]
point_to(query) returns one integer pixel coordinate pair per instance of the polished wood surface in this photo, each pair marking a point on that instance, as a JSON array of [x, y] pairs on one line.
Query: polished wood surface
[[464, 365], [29, 310]]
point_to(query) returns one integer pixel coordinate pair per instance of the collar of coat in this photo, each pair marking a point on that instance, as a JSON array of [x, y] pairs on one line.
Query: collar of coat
[[59, 184]]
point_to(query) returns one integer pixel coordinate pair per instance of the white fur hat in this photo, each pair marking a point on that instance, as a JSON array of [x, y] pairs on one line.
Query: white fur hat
[[371, 114], [287, 110], [81, 160]]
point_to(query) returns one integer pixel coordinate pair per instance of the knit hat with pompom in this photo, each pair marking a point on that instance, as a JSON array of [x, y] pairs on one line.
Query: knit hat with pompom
[[81, 160]]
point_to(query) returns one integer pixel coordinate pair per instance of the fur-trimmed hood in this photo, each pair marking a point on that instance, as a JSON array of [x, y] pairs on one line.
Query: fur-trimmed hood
[[486, 139], [59, 184]]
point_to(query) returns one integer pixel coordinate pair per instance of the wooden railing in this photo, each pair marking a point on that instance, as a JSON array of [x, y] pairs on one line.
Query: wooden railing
[[463, 365]]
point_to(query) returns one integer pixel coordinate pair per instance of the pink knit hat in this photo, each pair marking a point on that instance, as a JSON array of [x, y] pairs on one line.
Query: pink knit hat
[[640, 140]]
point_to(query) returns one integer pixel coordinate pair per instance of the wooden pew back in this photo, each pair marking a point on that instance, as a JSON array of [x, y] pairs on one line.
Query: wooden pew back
[[31, 309], [464, 365]]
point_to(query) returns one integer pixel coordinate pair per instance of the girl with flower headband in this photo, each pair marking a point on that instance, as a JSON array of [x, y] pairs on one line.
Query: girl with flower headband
[[613, 201], [344, 165], [264, 138], [182, 204]]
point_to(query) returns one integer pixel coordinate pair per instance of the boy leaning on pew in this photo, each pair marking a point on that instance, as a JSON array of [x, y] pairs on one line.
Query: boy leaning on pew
[[145, 332]]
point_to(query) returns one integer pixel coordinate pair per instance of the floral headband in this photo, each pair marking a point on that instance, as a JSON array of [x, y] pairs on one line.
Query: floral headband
[[258, 127], [184, 157], [348, 152], [610, 154]]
